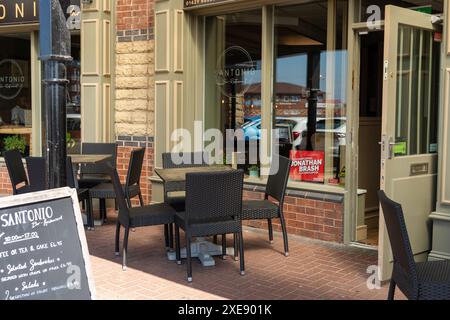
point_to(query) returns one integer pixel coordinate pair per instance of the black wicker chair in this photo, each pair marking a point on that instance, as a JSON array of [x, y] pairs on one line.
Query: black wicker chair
[[16, 171], [132, 187], [190, 159], [177, 201], [418, 281], [36, 173], [93, 174], [83, 194], [213, 207], [150, 215], [266, 209]]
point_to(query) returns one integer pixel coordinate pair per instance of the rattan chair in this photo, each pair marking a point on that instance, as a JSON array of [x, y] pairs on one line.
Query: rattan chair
[[16, 171], [213, 207], [150, 215], [131, 188], [177, 201], [83, 193], [93, 174], [266, 209], [36, 173], [418, 281]]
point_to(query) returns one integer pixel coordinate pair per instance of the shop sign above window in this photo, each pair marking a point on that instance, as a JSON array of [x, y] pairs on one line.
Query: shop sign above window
[[19, 12], [197, 3]]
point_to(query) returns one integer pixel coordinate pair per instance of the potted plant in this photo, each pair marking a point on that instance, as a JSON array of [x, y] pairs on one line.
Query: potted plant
[[15, 143], [70, 142], [342, 176], [253, 171]]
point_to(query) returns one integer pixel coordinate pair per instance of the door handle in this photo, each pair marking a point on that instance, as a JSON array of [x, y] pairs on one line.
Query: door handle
[[387, 147]]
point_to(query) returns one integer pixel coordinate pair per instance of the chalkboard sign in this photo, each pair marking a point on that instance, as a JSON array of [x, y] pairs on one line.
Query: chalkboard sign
[[43, 249]]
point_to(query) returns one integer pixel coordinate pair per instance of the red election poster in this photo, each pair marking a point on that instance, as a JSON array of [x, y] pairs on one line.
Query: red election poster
[[307, 166]]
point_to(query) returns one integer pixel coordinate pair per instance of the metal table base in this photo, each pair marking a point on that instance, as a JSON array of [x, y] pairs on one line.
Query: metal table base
[[202, 249]]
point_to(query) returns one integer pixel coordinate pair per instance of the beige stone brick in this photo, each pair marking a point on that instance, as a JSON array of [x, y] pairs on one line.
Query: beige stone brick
[[133, 58], [134, 47], [134, 70], [132, 118], [131, 105], [138, 129], [133, 94], [132, 82]]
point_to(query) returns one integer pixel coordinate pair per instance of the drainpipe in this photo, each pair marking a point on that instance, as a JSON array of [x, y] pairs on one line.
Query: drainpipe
[[54, 53]]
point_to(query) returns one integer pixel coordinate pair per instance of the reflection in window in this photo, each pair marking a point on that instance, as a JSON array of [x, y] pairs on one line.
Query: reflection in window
[[417, 80], [233, 73], [309, 90], [15, 93]]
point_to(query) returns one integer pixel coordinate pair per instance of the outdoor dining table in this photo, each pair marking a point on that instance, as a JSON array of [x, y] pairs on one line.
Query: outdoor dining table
[[174, 180], [78, 160]]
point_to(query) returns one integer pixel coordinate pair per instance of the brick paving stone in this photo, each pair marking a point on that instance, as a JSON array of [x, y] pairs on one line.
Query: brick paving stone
[[314, 270]]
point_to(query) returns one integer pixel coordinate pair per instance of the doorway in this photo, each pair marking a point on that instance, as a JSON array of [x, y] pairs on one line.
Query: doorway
[[369, 133]]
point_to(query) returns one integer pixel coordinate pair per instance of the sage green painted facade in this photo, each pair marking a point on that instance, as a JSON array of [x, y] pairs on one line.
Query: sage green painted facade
[[188, 44]]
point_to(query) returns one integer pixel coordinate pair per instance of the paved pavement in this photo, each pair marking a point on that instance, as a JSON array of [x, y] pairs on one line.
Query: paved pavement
[[314, 270]]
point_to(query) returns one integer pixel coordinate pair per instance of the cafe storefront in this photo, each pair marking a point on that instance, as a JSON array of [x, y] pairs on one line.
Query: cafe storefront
[[89, 117], [357, 89]]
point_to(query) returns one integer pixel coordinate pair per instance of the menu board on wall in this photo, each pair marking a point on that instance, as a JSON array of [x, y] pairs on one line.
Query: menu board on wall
[[43, 249]]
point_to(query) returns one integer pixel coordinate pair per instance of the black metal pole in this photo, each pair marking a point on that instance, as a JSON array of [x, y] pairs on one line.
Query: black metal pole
[[55, 87], [55, 53]]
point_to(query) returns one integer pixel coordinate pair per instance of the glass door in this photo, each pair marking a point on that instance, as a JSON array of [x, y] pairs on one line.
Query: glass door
[[409, 126]]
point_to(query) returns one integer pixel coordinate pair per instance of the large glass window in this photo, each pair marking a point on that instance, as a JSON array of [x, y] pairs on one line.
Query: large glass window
[[233, 73], [310, 90], [74, 98], [309, 84], [15, 93]]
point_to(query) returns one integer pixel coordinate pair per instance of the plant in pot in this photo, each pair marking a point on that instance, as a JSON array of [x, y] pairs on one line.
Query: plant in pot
[[15, 143], [253, 171], [70, 142]]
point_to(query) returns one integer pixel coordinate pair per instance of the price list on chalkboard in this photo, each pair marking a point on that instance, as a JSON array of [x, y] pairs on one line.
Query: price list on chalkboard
[[41, 256]]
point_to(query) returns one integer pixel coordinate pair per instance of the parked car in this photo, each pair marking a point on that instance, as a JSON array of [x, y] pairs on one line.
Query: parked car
[[252, 129], [338, 128]]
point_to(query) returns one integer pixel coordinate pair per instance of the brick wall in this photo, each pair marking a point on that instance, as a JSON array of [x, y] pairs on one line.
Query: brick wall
[[135, 20], [5, 183], [316, 216]]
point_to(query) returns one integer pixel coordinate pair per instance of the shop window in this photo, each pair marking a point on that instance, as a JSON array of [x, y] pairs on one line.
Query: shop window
[[233, 74], [15, 93], [74, 98], [313, 67]]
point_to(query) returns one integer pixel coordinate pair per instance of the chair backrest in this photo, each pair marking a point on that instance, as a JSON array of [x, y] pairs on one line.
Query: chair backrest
[[398, 234], [189, 159], [99, 148], [15, 167], [72, 181], [135, 167], [124, 212], [36, 173], [214, 195], [277, 182]]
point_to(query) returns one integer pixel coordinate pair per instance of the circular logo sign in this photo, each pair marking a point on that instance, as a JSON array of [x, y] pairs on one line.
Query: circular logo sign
[[12, 79], [235, 72]]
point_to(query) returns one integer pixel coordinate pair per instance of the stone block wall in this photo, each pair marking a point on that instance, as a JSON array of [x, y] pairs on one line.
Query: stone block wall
[[134, 93]]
